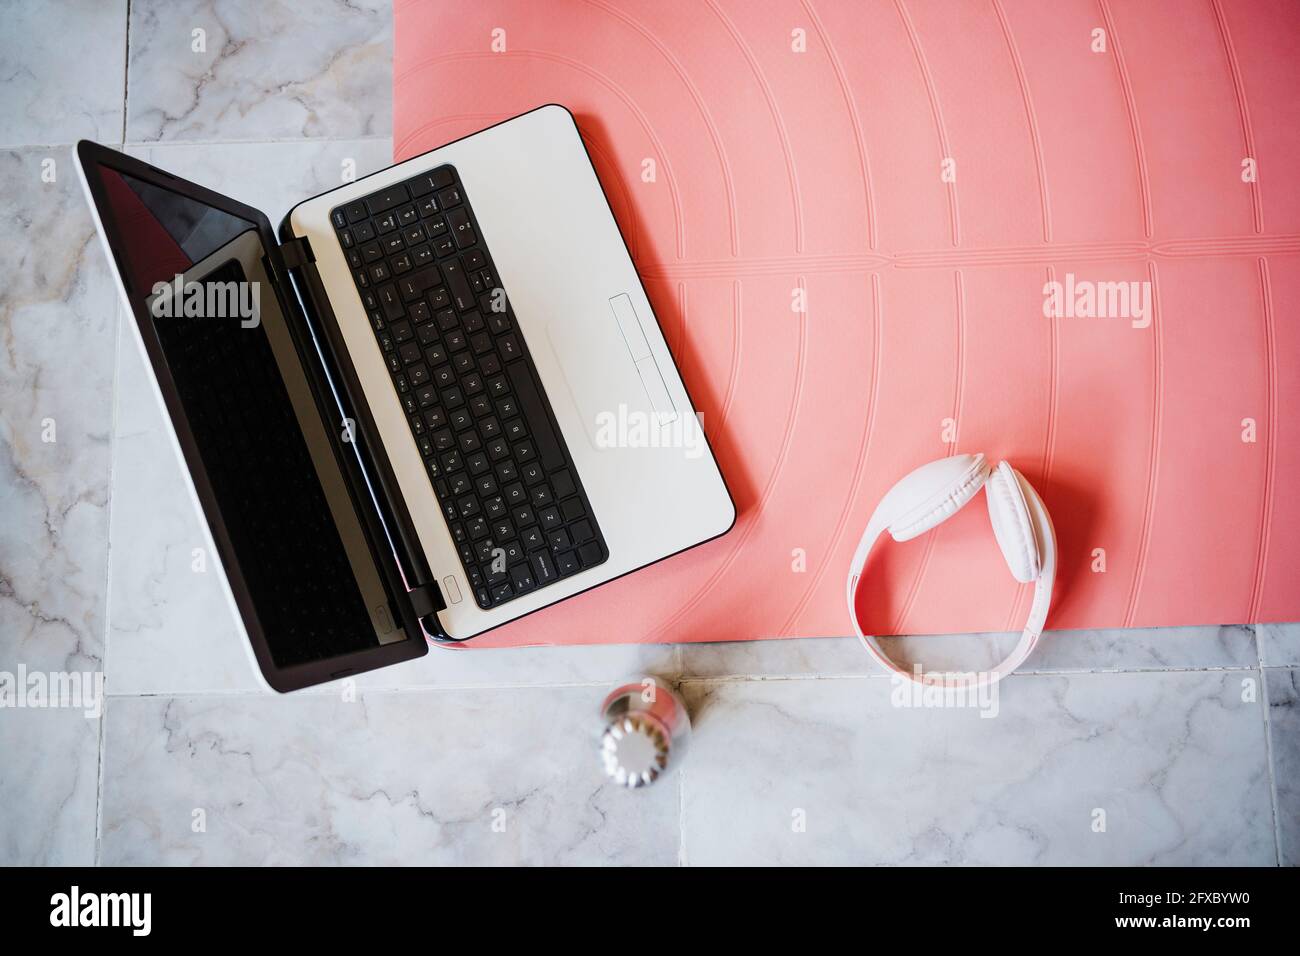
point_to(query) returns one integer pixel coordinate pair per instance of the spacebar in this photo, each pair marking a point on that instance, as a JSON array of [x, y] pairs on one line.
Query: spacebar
[[530, 400]]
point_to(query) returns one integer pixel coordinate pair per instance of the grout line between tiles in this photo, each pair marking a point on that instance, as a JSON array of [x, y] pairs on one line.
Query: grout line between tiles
[[126, 75], [606, 682], [1268, 752], [257, 141]]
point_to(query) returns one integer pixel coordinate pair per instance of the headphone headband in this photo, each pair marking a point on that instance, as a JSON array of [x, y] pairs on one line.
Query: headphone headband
[[926, 497]]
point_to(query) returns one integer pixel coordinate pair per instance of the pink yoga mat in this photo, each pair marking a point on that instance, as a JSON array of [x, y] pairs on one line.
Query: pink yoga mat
[[913, 173]]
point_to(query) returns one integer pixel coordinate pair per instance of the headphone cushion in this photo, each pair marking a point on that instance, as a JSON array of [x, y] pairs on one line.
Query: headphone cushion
[[1009, 515], [936, 492]]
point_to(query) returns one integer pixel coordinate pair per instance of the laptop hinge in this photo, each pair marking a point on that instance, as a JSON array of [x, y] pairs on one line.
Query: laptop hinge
[[297, 253], [427, 601]]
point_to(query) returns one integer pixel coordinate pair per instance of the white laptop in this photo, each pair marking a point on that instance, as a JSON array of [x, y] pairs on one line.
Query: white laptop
[[439, 400]]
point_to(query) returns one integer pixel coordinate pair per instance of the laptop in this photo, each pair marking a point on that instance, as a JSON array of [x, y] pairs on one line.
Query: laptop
[[437, 400]]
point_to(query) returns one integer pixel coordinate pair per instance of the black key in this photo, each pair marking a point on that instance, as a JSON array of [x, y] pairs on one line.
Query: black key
[[474, 259], [407, 216], [559, 539], [340, 218], [363, 231], [458, 285], [461, 229], [356, 211], [508, 346], [521, 576], [531, 538], [386, 200], [582, 531], [421, 185], [543, 569], [572, 509], [386, 223], [449, 197], [502, 592], [562, 484], [391, 303], [566, 562], [530, 401], [590, 554]]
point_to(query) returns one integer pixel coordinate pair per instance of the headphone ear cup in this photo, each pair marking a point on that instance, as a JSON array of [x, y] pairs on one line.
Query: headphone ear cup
[[1009, 515], [933, 493]]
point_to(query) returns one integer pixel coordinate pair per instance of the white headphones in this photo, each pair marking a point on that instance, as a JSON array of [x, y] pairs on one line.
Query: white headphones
[[931, 495]]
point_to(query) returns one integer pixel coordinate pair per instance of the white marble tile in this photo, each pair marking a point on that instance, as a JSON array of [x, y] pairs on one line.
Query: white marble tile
[[58, 314], [1279, 644], [259, 69], [57, 319], [405, 778], [1175, 760], [63, 67], [49, 779], [1284, 745], [1118, 649]]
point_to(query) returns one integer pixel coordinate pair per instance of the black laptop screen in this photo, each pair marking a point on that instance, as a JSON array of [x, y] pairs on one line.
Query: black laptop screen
[[232, 367]]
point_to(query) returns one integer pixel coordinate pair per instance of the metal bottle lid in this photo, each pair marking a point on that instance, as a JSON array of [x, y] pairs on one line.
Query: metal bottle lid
[[635, 749]]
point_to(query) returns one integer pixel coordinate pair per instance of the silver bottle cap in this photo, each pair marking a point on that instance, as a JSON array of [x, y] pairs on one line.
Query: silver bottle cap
[[635, 749]]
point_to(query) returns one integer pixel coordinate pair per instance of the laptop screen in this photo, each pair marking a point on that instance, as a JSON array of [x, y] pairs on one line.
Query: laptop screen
[[232, 369]]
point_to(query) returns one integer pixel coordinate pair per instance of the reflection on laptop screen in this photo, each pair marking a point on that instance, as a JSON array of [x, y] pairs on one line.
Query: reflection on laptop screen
[[199, 272]]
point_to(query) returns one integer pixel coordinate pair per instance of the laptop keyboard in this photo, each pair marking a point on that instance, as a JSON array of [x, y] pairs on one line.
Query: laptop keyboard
[[493, 453]]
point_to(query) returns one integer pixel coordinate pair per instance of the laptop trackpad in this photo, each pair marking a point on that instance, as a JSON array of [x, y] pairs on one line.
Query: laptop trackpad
[[606, 382]]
